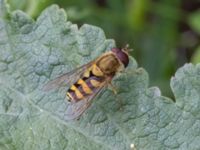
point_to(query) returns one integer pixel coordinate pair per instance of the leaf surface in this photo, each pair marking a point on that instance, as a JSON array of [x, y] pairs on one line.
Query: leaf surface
[[34, 52]]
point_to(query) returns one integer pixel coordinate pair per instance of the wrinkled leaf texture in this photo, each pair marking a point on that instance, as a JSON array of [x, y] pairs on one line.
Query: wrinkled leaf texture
[[34, 52]]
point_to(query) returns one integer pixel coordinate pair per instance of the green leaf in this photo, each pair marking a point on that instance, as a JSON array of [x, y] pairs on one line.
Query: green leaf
[[31, 7], [194, 21], [196, 55], [33, 52]]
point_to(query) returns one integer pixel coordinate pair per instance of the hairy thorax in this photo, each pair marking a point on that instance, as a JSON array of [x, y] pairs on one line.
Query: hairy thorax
[[108, 64]]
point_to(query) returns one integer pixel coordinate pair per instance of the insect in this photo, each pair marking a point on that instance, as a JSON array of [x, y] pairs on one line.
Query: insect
[[89, 80]]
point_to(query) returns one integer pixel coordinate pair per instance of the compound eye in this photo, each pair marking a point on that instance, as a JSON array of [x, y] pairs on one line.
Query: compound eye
[[121, 56], [115, 50]]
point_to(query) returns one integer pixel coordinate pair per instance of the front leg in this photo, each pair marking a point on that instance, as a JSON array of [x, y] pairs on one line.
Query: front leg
[[113, 88], [115, 91], [110, 85]]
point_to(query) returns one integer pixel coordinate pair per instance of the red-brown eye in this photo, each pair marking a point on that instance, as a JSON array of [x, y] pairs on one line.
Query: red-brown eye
[[121, 55]]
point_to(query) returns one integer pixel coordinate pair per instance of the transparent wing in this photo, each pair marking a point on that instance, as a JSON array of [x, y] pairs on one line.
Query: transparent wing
[[67, 78], [75, 110]]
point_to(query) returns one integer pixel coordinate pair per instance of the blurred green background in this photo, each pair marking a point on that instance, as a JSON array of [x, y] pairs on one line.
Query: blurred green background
[[165, 34]]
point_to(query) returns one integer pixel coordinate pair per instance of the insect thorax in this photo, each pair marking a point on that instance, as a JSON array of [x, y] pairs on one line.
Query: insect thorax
[[108, 64]]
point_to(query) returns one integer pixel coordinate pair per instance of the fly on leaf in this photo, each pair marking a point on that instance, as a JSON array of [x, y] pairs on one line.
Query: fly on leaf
[[88, 80]]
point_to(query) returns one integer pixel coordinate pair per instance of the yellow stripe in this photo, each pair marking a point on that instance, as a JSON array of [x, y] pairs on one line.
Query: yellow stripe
[[69, 95], [96, 70], [73, 88], [95, 83], [77, 92], [87, 73], [85, 87]]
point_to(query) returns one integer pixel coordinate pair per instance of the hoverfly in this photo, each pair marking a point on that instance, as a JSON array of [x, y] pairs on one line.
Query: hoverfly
[[88, 80]]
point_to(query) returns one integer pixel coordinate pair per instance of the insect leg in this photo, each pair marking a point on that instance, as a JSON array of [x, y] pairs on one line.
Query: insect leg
[[115, 91], [113, 88]]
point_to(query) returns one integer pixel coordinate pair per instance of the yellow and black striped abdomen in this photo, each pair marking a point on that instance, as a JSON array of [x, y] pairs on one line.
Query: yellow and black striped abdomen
[[92, 79]]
